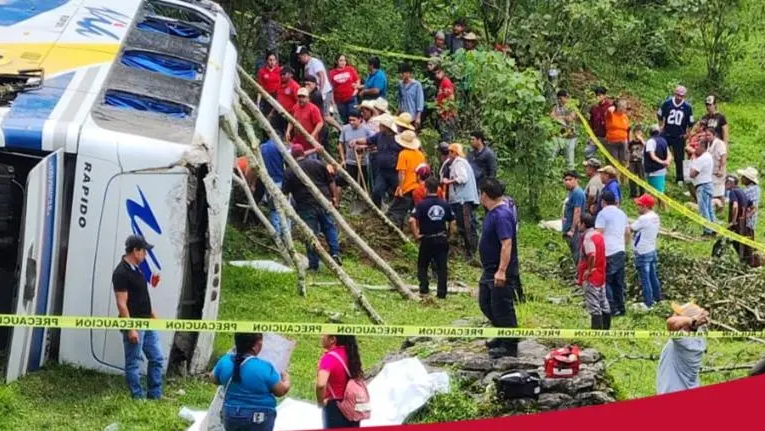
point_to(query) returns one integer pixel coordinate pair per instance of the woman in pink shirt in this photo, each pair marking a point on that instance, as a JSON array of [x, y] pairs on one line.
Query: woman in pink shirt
[[340, 363]]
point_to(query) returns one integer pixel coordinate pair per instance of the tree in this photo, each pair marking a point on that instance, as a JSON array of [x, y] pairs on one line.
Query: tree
[[721, 27], [510, 107]]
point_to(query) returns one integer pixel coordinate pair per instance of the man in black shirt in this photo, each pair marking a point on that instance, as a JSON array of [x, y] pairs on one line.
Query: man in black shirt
[[738, 205], [482, 158], [319, 219], [131, 290], [429, 222]]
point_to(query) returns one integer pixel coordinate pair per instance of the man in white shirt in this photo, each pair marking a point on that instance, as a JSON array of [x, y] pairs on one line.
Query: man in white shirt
[[701, 173], [646, 231], [314, 67], [612, 222]]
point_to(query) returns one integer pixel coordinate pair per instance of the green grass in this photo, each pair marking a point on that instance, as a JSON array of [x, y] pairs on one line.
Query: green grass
[[65, 398]]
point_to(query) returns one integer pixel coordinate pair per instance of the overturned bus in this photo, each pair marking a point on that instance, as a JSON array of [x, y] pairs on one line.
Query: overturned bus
[[109, 126]]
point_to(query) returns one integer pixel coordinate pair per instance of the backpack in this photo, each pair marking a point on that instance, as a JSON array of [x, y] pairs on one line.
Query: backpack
[[562, 362], [355, 405]]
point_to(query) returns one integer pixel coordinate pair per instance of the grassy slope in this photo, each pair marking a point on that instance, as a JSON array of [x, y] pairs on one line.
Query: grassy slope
[[69, 399]]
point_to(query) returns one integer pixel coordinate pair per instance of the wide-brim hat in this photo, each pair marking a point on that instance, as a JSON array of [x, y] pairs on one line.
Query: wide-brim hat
[[609, 170], [408, 139], [593, 163], [387, 120], [749, 173], [381, 104], [404, 120], [457, 148], [368, 104], [470, 36]]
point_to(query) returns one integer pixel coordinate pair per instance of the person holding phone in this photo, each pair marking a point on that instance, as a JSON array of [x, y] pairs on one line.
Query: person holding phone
[[131, 290]]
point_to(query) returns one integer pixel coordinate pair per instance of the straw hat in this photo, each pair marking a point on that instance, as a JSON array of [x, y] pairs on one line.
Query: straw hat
[[470, 36], [405, 120], [609, 170], [457, 148], [749, 173], [381, 104], [368, 104], [408, 139], [387, 120]]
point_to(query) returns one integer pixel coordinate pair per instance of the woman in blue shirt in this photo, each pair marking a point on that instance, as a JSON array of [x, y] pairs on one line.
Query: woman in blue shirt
[[252, 386]]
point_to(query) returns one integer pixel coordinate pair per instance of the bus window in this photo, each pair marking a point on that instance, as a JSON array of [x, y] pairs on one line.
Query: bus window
[[164, 64], [174, 28], [125, 100], [159, 8]]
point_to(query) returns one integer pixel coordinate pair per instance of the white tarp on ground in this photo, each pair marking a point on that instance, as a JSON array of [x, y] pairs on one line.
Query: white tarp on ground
[[265, 265], [397, 391]]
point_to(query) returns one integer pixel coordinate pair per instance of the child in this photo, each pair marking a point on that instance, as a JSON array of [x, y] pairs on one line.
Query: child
[[591, 273], [636, 149], [423, 173], [429, 223]]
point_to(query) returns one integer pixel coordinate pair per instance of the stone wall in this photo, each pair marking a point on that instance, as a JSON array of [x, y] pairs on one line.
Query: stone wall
[[469, 364]]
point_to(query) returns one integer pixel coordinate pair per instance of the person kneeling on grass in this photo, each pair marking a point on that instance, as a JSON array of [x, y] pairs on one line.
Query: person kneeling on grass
[[591, 273], [251, 386], [429, 223], [680, 361]]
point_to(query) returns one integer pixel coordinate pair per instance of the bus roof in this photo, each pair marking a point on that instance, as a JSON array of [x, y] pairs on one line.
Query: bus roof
[[75, 45]]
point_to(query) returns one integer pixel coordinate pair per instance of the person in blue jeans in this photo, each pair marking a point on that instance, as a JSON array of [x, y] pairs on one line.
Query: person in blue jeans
[[645, 233], [130, 280], [251, 386], [307, 207], [701, 174]]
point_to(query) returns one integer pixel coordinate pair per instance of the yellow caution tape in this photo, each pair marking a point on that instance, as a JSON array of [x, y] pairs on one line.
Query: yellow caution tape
[[721, 230], [229, 326]]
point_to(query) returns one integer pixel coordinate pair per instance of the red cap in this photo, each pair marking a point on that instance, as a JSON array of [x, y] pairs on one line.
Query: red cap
[[297, 150], [646, 201]]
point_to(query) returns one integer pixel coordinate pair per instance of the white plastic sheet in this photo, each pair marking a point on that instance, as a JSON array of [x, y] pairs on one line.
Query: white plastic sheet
[[401, 388], [264, 265]]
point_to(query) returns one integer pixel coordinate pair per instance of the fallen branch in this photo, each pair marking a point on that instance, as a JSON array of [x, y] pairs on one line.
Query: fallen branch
[[286, 236], [722, 369], [730, 328], [325, 203], [253, 108], [386, 287], [304, 229]]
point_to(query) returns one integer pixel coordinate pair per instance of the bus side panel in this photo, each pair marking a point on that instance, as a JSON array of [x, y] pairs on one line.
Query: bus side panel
[[90, 207], [154, 206]]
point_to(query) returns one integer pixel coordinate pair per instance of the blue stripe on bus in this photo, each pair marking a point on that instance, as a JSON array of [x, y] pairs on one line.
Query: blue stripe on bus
[[23, 126], [38, 334], [15, 11]]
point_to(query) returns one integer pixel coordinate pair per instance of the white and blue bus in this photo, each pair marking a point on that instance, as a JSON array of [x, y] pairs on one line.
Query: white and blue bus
[[109, 126]]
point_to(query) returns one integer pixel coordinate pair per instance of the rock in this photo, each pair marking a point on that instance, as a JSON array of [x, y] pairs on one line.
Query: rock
[[521, 405], [491, 378], [553, 401], [556, 300], [581, 383], [593, 398], [596, 368], [589, 356], [534, 349], [411, 341], [521, 363], [464, 360], [468, 377], [554, 385], [180, 392]]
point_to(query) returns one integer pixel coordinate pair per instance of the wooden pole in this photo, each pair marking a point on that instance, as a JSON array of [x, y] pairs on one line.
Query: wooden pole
[[252, 107], [286, 236], [392, 275], [305, 230], [262, 217]]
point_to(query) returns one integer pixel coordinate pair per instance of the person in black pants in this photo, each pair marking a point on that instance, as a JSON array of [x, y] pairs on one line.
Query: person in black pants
[[499, 259], [429, 223]]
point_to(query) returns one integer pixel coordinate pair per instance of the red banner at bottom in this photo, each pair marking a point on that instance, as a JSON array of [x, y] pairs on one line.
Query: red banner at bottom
[[714, 407]]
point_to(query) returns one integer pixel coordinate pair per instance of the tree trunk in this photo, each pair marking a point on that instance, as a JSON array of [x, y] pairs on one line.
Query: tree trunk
[[286, 234], [281, 201], [262, 217], [392, 275], [321, 150]]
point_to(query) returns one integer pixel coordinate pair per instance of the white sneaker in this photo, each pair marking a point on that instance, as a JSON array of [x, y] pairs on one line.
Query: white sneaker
[[640, 306], [680, 183]]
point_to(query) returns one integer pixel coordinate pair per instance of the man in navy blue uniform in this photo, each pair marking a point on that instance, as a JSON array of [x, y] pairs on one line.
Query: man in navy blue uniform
[[676, 118]]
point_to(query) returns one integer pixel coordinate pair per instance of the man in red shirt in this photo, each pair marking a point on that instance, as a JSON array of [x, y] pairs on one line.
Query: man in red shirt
[[591, 272], [287, 97], [446, 105], [598, 114], [309, 116]]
